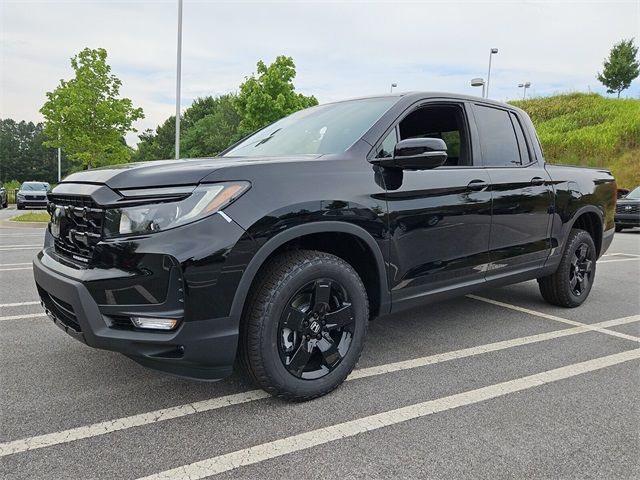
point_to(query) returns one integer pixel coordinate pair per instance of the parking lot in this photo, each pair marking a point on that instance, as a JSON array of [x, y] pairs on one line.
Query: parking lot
[[495, 385]]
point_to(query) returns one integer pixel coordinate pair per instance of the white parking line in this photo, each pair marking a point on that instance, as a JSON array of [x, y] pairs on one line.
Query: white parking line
[[600, 262], [593, 327], [22, 317], [2, 265], [321, 436], [25, 247], [19, 304], [109, 426], [13, 269]]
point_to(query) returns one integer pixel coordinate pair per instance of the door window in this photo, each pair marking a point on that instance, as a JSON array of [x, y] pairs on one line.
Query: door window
[[438, 121], [497, 137]]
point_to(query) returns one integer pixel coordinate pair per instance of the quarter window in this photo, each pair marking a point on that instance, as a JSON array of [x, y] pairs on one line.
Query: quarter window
[[497, 137], [525, 158]]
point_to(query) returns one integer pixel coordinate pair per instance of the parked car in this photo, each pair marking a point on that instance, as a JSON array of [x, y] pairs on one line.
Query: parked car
[[4, 201], [281, 250], [628, 210], [32, 194], [623, 192]]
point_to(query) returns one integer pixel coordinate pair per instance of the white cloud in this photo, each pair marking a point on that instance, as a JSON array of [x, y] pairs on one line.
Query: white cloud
[[341, 49]]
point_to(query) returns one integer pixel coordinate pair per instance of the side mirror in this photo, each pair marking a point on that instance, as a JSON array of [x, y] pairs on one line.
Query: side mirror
[[420, 153]]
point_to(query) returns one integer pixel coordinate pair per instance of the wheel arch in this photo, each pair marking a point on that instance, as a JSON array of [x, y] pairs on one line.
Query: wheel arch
[[303, 233], [590, 219]]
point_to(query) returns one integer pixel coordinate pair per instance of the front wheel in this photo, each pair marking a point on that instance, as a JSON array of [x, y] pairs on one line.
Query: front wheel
[[304, 326], [619, 228], [571, 283]]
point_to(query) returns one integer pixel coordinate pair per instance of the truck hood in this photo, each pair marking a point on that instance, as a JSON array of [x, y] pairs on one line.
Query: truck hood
[[161, 173]]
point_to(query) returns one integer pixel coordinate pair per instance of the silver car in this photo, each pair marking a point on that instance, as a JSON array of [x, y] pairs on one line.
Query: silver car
[[32, 194]]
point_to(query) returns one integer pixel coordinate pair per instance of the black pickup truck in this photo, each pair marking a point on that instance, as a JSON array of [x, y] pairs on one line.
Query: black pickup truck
[[279, 252]]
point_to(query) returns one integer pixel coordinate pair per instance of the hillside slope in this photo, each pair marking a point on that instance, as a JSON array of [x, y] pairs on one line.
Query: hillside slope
[[590, 130]]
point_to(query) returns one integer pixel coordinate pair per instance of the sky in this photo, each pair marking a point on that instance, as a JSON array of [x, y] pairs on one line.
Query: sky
[[342, 49]]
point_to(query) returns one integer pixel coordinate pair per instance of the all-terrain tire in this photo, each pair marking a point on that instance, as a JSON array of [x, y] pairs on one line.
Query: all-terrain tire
[[276, 285], [562, 288]]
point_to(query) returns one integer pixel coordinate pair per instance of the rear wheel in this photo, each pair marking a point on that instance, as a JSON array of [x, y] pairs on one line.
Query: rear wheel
[[618, 228], [304, 325], [571, 283]]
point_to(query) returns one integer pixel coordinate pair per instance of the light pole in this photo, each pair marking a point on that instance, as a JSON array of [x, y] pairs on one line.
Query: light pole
[[492, 52], [392, 87], [178, 70], [524, 87], [478, 82], [59, 159]]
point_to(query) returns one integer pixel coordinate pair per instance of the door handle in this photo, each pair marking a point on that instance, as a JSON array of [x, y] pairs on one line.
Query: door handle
[[477, 185], [537, 181]]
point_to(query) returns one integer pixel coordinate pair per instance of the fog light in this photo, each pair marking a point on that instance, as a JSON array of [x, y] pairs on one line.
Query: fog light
[[155, 323]]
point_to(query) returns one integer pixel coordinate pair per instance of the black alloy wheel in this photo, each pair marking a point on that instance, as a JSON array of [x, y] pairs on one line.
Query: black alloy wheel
[[570, 284], [304, 324], [581, 269], [316, 329]]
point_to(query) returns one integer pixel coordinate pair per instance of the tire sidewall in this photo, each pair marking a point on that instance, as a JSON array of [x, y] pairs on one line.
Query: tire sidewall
[[278, 375], [580, 238]]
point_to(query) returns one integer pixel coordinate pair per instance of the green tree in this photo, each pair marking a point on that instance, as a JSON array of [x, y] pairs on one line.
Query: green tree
[[86, 118], [208, 127], [621, 68], [22, 153], [213, 132], [270, 95]]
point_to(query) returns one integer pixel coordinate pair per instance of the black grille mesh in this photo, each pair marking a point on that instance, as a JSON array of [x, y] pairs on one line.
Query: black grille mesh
[[79, 228]]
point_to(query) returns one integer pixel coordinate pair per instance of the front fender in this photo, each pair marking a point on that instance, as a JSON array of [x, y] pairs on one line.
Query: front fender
[[300, 230]]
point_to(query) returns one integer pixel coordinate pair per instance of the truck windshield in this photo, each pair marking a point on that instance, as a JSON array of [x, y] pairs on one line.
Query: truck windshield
[[324, 129]]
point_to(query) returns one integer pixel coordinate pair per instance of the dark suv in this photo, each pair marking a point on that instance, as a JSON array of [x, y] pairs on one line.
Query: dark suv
[[628, 210], [280, 251]]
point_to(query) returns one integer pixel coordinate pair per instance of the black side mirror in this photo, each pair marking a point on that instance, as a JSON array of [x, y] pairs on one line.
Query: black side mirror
[[420, 153]]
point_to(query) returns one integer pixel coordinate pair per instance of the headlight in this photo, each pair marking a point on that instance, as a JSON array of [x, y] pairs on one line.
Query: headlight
[[205, 200], [20, 195]]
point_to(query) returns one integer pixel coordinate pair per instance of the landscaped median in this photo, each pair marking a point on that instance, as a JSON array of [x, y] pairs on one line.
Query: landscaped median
[[42, 217]]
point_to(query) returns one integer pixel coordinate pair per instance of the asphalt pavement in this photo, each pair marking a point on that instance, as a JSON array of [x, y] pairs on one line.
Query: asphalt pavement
[[495, 385]]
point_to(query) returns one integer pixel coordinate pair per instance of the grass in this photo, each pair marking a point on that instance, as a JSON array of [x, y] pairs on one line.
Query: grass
[[589, 130], [32, 217]]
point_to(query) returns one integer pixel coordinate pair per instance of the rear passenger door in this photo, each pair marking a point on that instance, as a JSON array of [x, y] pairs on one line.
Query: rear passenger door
[[522, 196]]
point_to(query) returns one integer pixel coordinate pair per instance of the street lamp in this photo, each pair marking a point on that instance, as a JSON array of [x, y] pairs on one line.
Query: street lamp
[[393, 85], [524, 87], [178, 69], [492, 52], [478, 82]]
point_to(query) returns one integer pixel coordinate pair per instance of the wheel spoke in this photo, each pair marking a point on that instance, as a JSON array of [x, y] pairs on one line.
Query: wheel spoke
[[573, 282], [340, 318], [293, 318], [300, 359], [321, 295], [329, 351], [583, 252]]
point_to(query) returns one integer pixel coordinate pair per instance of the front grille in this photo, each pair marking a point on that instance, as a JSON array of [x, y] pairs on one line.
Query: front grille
[[628, 208], [76, 225], [34, 197], [60, 309]]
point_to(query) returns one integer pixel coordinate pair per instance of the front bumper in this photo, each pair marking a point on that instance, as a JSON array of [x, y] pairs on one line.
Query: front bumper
[[204, 349], [194, 278], [627, 220], [32, 203]]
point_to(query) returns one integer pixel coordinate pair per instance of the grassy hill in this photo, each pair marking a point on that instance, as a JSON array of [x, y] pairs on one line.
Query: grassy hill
[[590, 130]]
